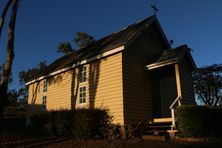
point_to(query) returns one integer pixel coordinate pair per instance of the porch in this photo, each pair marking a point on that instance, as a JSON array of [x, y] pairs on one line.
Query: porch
[[171, 84], [166, 93]]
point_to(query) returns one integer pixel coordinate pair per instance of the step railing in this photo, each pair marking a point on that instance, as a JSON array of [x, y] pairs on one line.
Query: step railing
[[177, 100]]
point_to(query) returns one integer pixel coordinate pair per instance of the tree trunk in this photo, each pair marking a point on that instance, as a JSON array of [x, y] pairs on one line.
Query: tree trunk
[[7, 67], [4, 12]]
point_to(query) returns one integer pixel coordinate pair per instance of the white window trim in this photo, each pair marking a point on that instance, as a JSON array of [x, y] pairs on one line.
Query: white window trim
[[82, 74], [83, 104]]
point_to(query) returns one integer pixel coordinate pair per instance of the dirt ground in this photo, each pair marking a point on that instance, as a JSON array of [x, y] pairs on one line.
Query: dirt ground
[[132, 144]]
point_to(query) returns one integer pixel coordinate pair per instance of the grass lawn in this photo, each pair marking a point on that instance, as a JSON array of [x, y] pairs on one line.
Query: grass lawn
[[130, 144]]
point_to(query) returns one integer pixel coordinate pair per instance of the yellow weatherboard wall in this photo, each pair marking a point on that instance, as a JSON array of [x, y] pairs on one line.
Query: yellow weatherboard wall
[[58, 88], [103, 88], [58, 94]]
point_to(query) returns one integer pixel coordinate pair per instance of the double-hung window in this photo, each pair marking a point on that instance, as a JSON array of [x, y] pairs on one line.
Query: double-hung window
[[82, 74], [45, 86], [82, 95]]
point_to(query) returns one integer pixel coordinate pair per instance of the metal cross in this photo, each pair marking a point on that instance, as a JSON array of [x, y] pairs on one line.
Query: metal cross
[[155, 9]]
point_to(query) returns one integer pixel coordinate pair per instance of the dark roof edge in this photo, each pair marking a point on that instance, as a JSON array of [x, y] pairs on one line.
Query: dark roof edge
[[190, 57], [174, 60], [162, 32], [139, 32]]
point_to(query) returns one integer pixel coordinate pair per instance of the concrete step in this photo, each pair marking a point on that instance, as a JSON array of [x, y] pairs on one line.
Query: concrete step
[[159, 126], [152, 137], [161, 120]]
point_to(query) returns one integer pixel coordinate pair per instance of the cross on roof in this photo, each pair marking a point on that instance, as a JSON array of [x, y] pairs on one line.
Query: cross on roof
[[155, 9]]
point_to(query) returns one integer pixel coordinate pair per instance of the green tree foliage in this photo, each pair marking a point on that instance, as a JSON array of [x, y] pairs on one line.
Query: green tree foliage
[[13, 97], [65, 48], [208, 84], [32, 73], [199, 121], [83, 39]]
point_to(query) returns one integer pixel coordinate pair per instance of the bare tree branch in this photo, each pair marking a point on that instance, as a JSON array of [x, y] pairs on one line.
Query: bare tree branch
[[208, 84]]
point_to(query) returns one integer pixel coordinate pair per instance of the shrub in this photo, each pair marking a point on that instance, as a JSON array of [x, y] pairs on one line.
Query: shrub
[[113, 131], [133, 130], [61, 122], [83, 123], [199, 121], [38, 125], [136, 130], [89, 123]]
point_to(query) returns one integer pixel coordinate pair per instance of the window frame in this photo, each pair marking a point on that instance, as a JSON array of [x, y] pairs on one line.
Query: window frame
[[45, 86], [82, 74], [82, 95]]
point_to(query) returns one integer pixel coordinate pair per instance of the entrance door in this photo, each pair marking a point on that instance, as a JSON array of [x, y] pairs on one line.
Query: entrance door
[[156, 99], [168, 92]]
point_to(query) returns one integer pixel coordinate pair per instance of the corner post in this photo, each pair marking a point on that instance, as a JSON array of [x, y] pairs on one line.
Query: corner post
[[177, 74], [173, 119]]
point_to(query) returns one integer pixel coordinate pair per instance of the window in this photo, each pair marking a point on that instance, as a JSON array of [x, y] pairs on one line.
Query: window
[[82, 95], [44, 98], [45, 86], [82, 74]]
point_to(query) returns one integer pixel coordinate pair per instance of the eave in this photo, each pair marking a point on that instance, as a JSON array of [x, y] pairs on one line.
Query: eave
[[98, 57], [162, 64]]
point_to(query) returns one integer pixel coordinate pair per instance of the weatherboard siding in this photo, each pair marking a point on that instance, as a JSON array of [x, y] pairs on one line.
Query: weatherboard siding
[[186, 82], [103, 88], [136, 78], [34, 93], [58, 92]]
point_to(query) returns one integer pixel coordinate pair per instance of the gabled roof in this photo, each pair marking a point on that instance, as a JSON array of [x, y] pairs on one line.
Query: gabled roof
[[172, 56], [122, 38], [105, 44]]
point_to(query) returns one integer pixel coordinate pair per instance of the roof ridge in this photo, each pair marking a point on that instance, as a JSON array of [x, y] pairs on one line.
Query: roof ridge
[[137, 22]]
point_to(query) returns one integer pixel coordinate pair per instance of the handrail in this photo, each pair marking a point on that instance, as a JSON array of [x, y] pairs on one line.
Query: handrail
[[173, 112], [174, 102]]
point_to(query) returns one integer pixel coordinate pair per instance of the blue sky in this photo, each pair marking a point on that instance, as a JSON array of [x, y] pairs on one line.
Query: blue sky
[[42, 24]]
